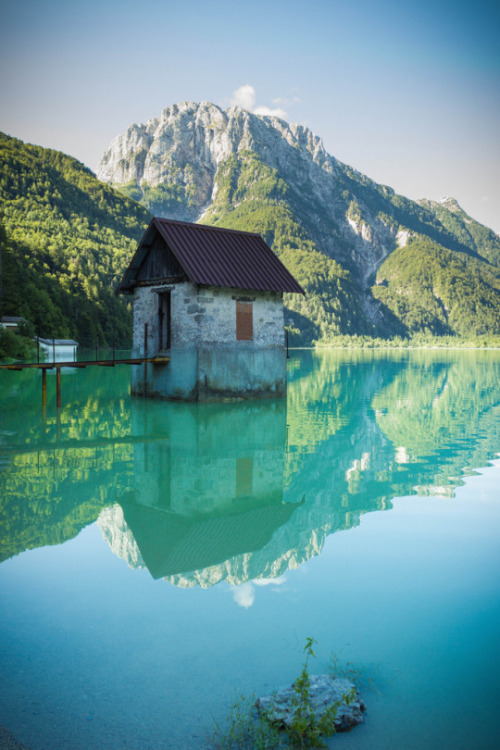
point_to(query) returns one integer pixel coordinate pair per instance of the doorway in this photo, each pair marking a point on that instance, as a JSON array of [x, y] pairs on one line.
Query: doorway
[[164, 320]]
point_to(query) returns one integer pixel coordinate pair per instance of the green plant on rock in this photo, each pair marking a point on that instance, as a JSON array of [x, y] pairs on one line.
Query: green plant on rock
[[247, 730], [306, 728]]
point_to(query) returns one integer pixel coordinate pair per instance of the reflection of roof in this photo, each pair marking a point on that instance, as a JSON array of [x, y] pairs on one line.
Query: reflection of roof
[[172, 544], [213, 256], [58, 342]]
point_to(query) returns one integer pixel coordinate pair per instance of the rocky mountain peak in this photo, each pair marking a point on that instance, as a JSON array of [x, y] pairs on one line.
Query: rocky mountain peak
[[203, 136], [450, 203]]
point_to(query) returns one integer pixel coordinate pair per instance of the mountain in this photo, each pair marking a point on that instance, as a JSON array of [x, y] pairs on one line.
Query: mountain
[[332, 226], [467, 230], [372, 262], [66, 238]]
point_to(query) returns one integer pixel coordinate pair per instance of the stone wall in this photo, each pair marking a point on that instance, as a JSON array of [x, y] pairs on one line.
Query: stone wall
[[206, 360], [217, 310], [212, 454]]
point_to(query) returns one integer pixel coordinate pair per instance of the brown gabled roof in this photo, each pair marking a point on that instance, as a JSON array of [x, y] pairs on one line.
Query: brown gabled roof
[[212, 256]]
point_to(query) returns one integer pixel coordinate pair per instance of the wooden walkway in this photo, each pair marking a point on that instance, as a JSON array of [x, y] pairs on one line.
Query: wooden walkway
[[44, 366], [60, 444]]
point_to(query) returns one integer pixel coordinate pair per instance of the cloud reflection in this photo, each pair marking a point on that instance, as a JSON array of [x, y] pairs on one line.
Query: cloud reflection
[[244, 594]]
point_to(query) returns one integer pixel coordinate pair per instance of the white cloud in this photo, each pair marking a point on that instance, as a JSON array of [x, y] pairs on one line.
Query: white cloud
[[244, 594], [277, 112], [245, 97]]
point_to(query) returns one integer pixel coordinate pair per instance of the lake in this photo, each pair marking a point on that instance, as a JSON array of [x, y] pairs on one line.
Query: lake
[[157, 557]]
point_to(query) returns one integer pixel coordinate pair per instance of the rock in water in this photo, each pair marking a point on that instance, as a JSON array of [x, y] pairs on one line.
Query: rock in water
[[324, 692]]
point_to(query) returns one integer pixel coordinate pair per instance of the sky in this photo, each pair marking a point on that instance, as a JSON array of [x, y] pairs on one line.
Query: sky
[[406, 92]]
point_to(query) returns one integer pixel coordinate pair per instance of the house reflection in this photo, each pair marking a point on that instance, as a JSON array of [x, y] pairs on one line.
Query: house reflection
[[210, 492]]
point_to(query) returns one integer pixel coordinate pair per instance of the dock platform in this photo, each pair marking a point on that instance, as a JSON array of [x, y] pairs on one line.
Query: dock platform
[[44, 366]]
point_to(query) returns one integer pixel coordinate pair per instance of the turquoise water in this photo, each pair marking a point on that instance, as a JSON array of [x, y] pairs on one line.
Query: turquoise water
[[158, 556]]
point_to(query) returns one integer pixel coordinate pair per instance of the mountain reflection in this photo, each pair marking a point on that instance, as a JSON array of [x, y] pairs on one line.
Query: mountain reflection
[[238, 492]]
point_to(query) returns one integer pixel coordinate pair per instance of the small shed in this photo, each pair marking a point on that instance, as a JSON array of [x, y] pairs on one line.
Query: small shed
[[12, 322], [59, 350], [208, 305]]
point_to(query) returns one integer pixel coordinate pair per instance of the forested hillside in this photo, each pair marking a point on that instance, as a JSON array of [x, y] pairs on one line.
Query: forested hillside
[[430, 288], [66, 239], [465, 229], [421, 287]]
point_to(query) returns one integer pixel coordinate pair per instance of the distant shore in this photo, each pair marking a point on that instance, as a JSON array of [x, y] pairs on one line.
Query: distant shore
[[418, 342]]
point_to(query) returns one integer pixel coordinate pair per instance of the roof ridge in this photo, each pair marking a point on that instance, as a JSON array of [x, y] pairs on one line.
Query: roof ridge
[[206, 226]]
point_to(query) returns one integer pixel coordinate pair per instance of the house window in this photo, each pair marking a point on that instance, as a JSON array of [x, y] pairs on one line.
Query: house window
[[244, 321]]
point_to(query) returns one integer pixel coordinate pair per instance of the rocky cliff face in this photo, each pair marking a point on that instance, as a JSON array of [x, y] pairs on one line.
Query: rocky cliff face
[[186, 145], [183, 150], [197, 162], [118, 536]]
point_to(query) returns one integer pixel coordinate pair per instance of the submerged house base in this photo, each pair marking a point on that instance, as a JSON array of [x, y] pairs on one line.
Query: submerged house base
[[213, 376], [211, 301], [205, 364]]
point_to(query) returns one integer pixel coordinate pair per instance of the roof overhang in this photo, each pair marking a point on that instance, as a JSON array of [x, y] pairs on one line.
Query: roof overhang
[[213, 256]]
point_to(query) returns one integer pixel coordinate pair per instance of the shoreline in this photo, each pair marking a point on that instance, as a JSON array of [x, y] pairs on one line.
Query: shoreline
[[402, 348]]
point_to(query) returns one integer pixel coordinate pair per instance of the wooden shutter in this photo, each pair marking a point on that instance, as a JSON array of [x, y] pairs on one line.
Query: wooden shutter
[[244, 321], [244, 477]]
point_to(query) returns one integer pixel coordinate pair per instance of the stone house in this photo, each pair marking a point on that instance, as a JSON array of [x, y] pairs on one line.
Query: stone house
[[208, 306], [58, 350]]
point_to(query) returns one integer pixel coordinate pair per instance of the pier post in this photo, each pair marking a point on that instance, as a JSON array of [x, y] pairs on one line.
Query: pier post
[[58, 386], [145, 357], [44, 387]]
